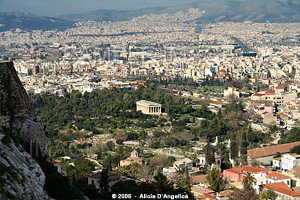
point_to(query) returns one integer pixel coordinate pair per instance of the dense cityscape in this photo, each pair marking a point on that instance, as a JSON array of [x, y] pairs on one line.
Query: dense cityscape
[[155, 107]]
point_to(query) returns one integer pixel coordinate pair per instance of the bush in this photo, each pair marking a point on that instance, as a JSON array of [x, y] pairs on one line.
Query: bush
[[58, 186], [120, 142], [6, 140]]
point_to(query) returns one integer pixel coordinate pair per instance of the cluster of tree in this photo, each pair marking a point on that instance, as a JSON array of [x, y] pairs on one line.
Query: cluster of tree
[[103, 109], [159, 185], [230, 123], [291, 136], [81, 169], [58, 186], [147, 170], [295, 149], [211, 81], [215, 181], [247, 192]]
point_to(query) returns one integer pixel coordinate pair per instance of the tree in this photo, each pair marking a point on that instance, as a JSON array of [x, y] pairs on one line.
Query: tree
[[295, 149], [267, 194], [162, 184], [214, 180], [184, 179], [244, 195], [56, 185], [243, 148], [278, 154], [248, 181], [110, 145], [104, 181], [293, 136], [243, 144], [209, 154], [233, 149]]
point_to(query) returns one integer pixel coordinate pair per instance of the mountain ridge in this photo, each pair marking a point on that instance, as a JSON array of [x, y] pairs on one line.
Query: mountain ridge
[[29, 21], [232, 10], [215, 11]]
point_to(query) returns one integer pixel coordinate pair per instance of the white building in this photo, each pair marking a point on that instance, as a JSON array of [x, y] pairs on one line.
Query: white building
[[202, 160], [181, 164], [148, 107], [289, 161], [275, 177], [231, 91]]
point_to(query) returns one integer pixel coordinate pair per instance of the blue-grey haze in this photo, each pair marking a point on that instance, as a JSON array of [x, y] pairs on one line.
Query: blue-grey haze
[[60, 7]]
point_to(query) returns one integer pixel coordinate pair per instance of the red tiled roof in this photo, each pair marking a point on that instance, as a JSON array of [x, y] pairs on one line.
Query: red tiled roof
[[271, 150], [269, 92], [250, 169], [282, 115], [225, 193], [216, 103], [296, 171], [282, 188], [198, 179], [56, 161], [277, 176], [280, 87], [209, 196], [201, 197]]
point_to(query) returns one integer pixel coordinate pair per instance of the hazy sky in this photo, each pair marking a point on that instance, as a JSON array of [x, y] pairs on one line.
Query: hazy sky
[[60, 7]]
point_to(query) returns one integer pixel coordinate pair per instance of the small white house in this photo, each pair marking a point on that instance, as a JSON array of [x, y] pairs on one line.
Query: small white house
[[181, 164], [289, 161], [202, 160]]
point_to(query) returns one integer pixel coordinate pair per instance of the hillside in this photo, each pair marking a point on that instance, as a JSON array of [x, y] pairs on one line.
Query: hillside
[[28, 21], [215, 10]]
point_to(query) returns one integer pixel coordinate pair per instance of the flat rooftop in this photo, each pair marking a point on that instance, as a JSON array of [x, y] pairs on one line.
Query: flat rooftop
[[148, 103]]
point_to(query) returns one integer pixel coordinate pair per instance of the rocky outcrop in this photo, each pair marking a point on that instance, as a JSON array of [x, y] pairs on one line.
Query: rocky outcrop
[[22, 136], [20, 176], [17, 112]]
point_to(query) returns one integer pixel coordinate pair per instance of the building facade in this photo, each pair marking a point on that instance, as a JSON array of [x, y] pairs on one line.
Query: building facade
[[289, 161], [148, 107]]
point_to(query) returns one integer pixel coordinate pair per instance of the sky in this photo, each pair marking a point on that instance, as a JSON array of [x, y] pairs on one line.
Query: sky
[[54, 8]]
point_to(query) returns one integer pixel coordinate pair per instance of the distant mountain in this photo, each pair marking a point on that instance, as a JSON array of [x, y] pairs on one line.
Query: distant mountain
[[28, 21], [215, 10]]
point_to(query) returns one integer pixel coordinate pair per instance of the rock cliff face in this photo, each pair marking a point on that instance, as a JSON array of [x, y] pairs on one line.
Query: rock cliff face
[[20, 176], [22, 136], [17, 112]]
